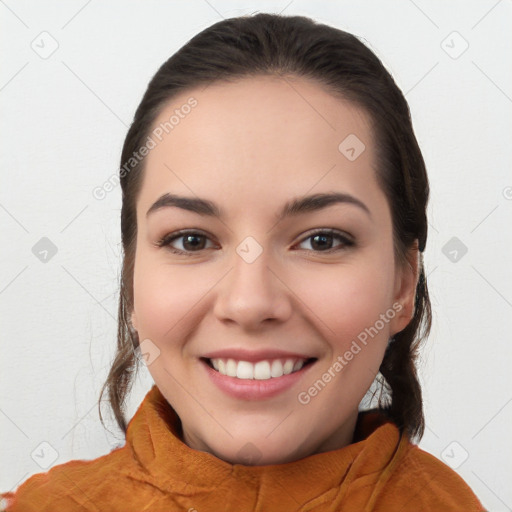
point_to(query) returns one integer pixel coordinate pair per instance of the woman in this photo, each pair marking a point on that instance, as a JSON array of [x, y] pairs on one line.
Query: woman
[[273, 224]]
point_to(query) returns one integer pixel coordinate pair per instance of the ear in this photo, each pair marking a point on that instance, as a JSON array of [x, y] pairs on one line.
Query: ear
[[407, 275]]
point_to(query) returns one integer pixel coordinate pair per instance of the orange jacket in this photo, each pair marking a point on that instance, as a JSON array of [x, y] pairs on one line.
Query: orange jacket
[[156, 471]]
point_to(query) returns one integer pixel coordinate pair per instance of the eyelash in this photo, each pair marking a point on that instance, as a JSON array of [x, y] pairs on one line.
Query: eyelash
[[166, 241]]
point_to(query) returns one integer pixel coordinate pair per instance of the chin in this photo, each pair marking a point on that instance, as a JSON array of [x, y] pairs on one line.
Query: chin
[[252, 455], [261, 450]]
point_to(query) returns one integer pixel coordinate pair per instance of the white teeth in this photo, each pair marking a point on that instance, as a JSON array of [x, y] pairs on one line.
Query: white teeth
[[245, 370], [288, 367], [298, 365], [231, 368], [262, 370], [277, 368]]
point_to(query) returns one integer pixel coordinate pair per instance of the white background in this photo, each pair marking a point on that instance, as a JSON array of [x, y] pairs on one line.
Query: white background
[[63, 122]]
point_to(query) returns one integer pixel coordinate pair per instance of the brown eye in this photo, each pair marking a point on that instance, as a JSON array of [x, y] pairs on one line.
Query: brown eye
[[190, 241], [193, 242], [322, 241]]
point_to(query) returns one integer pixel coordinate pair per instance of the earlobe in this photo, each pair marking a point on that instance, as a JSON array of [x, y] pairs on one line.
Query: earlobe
[[405, 289]]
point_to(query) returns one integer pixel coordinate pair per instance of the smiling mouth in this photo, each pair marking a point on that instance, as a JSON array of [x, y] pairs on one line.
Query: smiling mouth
[[261, 370]]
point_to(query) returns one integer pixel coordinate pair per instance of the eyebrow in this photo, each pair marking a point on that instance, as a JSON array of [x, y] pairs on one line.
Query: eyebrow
[[294, 207]]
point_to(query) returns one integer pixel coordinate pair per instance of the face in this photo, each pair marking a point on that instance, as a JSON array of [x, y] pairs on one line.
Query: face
[[265, 325]]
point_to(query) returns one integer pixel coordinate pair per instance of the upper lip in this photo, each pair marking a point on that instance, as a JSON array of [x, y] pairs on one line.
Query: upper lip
[[240, 354]]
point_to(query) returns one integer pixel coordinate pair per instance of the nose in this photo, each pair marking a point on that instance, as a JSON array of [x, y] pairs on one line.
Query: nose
[[253, 293]]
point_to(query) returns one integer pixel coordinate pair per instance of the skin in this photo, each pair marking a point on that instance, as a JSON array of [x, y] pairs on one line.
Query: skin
[[250, 147]]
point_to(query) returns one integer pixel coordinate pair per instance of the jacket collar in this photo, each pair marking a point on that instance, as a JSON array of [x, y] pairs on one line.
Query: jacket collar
[[162, 459]]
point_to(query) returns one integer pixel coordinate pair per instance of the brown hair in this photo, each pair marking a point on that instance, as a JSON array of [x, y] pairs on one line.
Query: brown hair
[[297, 46]]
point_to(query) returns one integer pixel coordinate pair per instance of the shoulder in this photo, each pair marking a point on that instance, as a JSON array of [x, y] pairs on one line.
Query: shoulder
[[425, 482], [77, 485]]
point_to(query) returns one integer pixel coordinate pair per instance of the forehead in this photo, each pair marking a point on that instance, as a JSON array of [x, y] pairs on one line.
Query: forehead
[[259, 135]]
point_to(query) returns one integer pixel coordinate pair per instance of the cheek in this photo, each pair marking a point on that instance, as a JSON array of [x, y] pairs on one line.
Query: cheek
[[348, 299], [165, 296]]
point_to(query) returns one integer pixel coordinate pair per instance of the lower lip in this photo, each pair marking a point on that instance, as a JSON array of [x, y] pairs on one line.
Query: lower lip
[[255, 389]]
